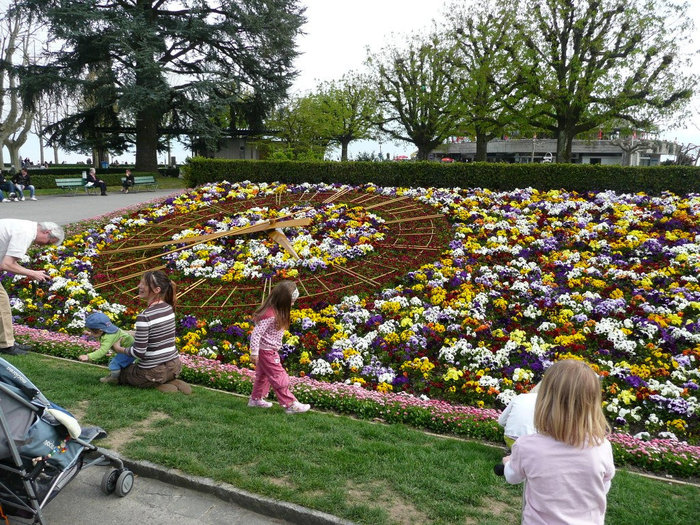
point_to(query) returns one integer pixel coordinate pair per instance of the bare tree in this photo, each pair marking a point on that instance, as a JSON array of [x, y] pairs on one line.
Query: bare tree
[[630, 145], [15, 119], [687, 155]]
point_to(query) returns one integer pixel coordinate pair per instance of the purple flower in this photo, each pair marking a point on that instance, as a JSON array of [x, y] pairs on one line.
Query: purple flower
[[188, 321]]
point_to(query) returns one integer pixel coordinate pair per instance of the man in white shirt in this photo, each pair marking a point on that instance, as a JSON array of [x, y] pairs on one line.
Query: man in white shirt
[[16, 236]]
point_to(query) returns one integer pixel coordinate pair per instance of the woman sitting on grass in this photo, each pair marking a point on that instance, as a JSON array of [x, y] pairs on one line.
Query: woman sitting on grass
[[154, 339]]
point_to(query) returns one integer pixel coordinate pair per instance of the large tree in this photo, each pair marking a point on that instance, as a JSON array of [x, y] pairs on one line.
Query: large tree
[[15, 120], [299, 126], [349, 107], [590, 61], [140, 60], [486, 69], [418, 100]]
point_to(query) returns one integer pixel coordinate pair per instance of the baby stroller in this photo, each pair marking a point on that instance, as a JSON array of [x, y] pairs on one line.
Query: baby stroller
[[42, 448]]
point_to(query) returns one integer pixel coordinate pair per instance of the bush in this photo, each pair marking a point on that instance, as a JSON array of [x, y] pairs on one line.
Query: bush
[[113, 176], [496, 176]]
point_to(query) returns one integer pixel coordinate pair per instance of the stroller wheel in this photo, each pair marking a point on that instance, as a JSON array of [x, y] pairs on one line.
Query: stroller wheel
[[109, 481], [125, 483]]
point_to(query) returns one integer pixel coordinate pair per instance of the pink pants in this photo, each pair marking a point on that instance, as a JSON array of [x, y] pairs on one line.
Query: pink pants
[[269, 372]]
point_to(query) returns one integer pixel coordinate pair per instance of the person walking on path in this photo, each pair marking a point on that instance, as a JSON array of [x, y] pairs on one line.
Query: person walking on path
[[158, 364], [271, 320], [568, 464], [16, 236]]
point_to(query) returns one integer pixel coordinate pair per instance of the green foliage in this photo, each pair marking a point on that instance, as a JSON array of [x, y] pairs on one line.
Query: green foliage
[[588, 62], [495, 176], [299, 125], [350, 109], [137, 66], [415, 91], [486, 68]]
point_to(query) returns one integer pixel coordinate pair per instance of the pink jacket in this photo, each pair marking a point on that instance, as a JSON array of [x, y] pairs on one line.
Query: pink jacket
[[265, 335]]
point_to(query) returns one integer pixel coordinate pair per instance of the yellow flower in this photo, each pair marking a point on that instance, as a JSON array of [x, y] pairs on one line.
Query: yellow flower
[[627, 396], [452, 374]]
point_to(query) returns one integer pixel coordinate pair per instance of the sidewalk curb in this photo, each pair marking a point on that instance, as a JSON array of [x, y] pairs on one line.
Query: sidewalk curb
[[260, 504]]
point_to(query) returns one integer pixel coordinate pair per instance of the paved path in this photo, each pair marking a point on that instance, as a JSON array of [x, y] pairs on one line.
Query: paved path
[[150, 502], [160, 496], [67, 208]]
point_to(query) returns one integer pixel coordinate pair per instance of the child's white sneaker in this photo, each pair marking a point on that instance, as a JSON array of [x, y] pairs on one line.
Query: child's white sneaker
[[110, 379], [261, 403], [297, 408]]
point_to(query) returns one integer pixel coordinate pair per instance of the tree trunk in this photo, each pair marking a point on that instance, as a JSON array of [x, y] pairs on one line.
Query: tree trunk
[[561, 146], [344, 150], [147, 141], [423, 152], [13, 148], [41, 139], [482, 144]]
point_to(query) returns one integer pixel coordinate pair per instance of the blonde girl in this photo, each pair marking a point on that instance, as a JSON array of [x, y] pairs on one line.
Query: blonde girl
[[568, 464], [271, 320]]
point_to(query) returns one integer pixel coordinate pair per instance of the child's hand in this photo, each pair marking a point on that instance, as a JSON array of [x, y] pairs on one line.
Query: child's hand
[[506, 460], [254, 359], [117, 347], [83, 357]]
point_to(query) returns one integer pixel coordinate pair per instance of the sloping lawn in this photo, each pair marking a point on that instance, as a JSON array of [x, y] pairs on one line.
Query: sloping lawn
[[361, 471]]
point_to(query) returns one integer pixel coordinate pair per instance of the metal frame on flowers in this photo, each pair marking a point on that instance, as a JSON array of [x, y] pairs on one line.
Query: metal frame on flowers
[[410, 229]]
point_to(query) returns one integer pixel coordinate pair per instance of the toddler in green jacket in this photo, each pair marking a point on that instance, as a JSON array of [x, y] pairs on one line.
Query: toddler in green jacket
[[99, 326]]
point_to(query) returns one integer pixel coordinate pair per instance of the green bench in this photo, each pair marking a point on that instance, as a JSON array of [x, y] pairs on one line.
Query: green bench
[[73, 184], [146, 181]]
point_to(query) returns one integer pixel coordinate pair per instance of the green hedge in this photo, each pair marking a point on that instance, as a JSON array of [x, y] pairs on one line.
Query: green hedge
[[47, 180], [495, 176]]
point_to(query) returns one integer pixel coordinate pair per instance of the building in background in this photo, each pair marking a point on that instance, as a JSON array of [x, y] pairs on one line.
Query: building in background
[[613, 151]]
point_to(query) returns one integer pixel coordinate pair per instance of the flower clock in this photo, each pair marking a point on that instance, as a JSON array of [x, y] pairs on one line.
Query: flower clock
[[466, 295], [225, 252]]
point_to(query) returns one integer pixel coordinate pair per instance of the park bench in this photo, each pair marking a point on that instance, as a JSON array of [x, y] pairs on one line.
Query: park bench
[[73, 184], [145, 181]]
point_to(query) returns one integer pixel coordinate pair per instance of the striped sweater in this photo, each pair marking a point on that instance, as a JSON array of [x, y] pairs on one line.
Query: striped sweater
[[154, 340]]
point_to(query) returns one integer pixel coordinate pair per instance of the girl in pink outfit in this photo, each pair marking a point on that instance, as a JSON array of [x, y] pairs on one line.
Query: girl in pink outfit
[[568, 465], [271, 320]]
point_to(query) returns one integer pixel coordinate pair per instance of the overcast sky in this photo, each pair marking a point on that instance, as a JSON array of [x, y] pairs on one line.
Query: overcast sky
[[337, 34]]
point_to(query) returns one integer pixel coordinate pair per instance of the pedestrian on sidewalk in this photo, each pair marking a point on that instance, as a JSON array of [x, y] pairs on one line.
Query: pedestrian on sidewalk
[[16, 236], [271, 320]]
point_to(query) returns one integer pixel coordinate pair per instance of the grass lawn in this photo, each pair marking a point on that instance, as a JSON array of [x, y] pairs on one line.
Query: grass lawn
[[360, 471]]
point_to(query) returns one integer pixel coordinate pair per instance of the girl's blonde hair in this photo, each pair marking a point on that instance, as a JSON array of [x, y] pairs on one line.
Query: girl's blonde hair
[[568, 406], [280, 300]]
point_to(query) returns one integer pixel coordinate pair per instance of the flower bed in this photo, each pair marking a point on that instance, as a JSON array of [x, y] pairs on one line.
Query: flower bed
[[524, 278], [664, 456]]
